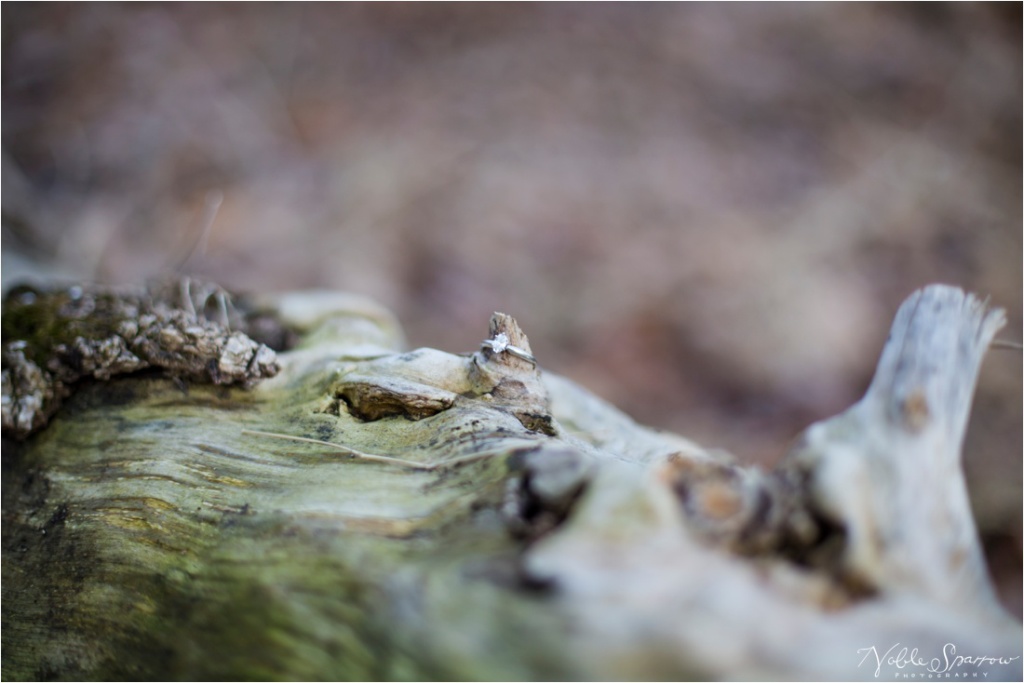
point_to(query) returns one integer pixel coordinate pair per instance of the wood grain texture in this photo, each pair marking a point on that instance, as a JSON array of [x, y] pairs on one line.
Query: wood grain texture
[[542, 534]]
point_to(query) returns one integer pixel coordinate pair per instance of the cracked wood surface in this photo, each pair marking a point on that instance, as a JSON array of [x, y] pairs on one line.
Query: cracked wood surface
[[475, 517]]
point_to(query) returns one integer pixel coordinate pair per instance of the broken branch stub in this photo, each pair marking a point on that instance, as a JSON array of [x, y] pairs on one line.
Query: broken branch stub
[[370, 514], [888, 470]]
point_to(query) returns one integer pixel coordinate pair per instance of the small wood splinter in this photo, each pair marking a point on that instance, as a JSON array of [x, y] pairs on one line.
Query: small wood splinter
[[359, 455], [1007, 345]]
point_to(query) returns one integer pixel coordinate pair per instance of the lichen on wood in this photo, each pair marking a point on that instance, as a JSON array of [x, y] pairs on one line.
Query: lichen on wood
[[376, 513], [54, 338]]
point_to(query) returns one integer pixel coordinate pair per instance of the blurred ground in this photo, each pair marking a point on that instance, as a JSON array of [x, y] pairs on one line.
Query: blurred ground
[[707, 214]]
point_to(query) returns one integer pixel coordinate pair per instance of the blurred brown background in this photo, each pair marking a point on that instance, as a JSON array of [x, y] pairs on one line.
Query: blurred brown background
[[707, 214]]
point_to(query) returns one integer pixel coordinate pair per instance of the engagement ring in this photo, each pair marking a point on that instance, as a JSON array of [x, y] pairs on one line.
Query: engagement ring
[[500, 345]]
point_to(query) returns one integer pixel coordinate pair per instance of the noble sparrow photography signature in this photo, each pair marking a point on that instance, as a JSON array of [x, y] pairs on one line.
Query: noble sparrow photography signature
[[950, 662]]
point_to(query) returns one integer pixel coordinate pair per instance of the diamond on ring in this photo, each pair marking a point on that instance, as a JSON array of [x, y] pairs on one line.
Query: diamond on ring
[[500, 343]]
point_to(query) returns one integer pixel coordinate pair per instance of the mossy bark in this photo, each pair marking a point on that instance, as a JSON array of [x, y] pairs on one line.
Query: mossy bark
[[467, 517]]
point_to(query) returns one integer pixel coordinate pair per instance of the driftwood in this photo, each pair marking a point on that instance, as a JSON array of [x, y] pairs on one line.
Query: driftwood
[[373, 514]]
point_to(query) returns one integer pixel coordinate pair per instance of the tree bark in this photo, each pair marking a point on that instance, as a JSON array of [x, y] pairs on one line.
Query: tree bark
[[369, 513]]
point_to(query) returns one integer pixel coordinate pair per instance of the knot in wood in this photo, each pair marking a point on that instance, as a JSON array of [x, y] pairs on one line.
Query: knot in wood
[[915, 411]]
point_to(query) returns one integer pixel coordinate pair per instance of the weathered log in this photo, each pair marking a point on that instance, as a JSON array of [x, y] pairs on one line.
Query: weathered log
[[374, 514]]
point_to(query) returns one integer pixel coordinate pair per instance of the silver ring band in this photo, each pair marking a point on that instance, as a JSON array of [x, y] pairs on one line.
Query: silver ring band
[[500, 345]]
